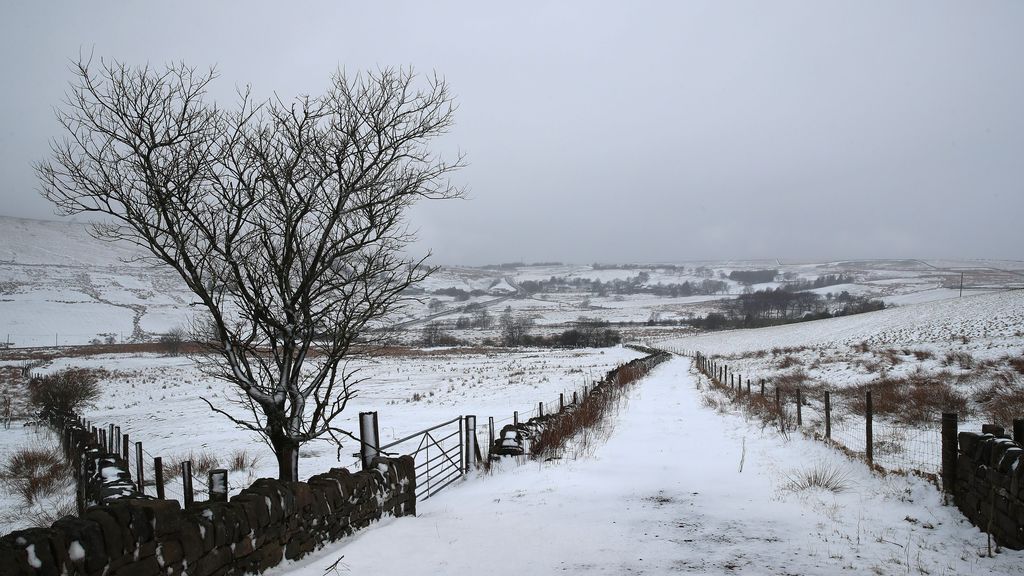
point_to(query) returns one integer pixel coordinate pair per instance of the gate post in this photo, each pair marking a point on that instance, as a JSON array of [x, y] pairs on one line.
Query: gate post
[[369, 438], [470, 443]]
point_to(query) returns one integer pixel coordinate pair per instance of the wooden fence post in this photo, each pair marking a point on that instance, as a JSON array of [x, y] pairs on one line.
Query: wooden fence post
[[186, 484], [490, 435], [158, 476], [218, 485], [126, 447], [762, 386], [868, 433], [778, 408], [111, 443], [950, 451], [799, 408], [1018, 431], [540, 409], [561, 401], [369, 438], [139, 469], [828, 415], [575, 400], [515, 418], [116, 437]]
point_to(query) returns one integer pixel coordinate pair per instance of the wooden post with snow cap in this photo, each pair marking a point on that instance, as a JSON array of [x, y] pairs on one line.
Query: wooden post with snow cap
[[369, 438], [950, 450], [218, 485]]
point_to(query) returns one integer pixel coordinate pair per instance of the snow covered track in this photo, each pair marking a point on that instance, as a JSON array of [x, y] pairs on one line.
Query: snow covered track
[[665, 495]]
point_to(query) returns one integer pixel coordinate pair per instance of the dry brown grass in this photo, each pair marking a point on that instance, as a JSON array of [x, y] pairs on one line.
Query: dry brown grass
[[962, 359], [917, 398], [202, 463], [792, 380], [35, 472], [789, 361]]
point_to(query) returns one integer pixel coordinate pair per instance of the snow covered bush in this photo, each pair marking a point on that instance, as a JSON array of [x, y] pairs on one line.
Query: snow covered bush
[[62, 394]]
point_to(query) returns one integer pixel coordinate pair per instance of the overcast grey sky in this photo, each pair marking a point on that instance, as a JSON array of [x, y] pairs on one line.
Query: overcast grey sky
[[626, 131]]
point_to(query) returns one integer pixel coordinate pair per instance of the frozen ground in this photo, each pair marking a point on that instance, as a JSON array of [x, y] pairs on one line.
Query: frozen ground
[[666, 495]]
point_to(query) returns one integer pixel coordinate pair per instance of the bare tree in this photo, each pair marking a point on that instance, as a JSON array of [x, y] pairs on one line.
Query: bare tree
[[286, 219]]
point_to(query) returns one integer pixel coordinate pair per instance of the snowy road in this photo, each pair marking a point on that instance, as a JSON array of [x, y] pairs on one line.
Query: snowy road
[[665, 495]]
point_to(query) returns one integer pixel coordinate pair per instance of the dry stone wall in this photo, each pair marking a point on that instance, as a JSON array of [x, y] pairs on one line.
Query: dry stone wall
[[989, 485], [266, 523]]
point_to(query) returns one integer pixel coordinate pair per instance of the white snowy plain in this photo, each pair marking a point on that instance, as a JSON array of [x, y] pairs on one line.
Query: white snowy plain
[[666, 494]]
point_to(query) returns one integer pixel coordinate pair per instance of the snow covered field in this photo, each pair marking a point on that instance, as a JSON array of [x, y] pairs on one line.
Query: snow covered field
[[157, 399], [963, 355], [59, 286], [677, 488]]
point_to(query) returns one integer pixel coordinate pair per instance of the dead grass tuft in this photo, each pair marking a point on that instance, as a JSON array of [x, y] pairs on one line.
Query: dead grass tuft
[[822, 475], [962, 359], [35, 472], [789, 361]]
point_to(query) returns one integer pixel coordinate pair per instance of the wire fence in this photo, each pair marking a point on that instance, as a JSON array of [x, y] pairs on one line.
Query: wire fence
[[841, 418]]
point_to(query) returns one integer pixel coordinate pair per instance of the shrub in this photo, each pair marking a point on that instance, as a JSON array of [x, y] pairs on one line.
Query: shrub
[[172, 340], [64, 393], [34, 472]]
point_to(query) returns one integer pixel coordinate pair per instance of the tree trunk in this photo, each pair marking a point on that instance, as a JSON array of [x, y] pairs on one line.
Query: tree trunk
[[287, 452]]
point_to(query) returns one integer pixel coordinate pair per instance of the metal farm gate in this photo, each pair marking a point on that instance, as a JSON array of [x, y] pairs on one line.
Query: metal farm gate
[[443, 453]]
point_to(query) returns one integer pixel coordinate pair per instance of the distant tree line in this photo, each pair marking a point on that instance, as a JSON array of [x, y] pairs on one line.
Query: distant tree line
[[624, 286], [753, 276], [819, 282]]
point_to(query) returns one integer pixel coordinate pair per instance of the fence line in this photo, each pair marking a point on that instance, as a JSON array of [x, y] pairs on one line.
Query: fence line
[[884, 443]]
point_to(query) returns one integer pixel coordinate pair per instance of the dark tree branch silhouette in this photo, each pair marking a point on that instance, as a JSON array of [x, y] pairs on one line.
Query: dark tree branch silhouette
[[286, 219]]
